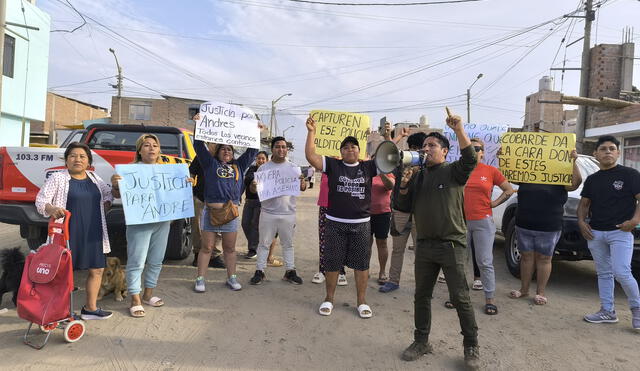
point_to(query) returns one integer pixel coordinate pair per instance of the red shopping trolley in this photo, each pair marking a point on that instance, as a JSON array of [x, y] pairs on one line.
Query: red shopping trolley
[[45, 297]]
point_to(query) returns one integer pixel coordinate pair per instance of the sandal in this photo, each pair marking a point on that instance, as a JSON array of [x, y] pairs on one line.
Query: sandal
[[364, 311], [449, 305], [441, 278], [275, 263], [325, 308], [382, 279], [516, 294], [490, 309], [539, 300], [137, 311], [154, 302], [477, 285]]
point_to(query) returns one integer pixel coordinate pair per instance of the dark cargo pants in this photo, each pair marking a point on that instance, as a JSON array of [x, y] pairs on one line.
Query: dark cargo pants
[[431, 255]]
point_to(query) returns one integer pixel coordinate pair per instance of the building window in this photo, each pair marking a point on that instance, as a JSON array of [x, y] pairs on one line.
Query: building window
[[632, 152], [193, 109], [140, 111], [9, 56]]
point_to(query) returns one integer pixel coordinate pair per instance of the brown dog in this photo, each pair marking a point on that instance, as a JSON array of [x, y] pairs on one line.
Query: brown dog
[[113, 280]]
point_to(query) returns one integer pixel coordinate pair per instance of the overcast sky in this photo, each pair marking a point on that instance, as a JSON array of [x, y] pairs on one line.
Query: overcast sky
[[400, 62]]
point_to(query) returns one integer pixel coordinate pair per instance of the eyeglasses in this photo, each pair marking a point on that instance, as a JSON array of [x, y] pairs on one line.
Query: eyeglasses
[[478, 148]]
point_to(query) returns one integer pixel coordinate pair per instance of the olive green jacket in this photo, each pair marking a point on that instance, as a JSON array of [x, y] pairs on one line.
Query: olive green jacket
[[436, 194]]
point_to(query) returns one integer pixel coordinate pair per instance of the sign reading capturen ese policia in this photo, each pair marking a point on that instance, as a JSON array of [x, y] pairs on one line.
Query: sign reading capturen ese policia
[[332, 127], [542, 158]]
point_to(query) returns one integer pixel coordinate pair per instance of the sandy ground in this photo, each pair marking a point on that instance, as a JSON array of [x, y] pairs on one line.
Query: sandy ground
[[275, 326]]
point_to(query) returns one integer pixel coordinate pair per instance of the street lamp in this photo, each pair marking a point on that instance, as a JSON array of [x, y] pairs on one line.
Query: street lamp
[[119, 86], [469, 97], [273, 111], [285, 130]]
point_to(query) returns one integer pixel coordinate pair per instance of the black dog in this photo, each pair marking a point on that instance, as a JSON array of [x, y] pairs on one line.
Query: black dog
[[12, 262]]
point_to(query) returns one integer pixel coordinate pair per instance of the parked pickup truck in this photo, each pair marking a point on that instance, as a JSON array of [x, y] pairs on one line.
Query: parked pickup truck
[[571, 246], [24, 170]]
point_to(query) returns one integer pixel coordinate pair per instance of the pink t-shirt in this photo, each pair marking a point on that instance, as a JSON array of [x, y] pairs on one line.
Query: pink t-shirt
[[380, 196], [323, 196]]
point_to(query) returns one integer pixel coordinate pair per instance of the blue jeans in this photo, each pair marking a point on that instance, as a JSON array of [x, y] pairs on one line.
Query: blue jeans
[[612, 251], [145, 243]]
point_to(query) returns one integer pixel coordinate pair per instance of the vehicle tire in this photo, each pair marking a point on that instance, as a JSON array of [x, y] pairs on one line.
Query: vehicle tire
[[73, 331], [179, 242], [511, 252]]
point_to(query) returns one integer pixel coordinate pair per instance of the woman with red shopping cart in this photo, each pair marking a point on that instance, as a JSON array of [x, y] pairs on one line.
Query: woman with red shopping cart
[[87, 197]]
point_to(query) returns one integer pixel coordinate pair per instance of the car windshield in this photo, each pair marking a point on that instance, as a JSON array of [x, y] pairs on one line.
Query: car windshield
[[587, 165], [126, 141]]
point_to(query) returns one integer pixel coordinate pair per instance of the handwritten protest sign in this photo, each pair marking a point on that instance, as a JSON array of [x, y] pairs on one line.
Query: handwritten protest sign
[[333, 127], [542, 158], [155, 193], [488, 133], [282, 181], [228, 124]]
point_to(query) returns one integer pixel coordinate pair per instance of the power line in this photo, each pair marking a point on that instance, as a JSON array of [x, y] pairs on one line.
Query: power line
[[385, 4], [80, 82], [84, 21]]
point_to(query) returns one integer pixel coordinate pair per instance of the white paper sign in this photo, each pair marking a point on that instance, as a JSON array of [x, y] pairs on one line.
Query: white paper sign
[[488, 133], [228, 124], [284, 181]]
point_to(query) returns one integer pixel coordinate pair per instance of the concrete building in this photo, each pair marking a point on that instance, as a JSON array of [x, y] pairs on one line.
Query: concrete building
[[169, 111], [25, 66], [544, 116], [611, 76], [375, 137], [61, 114]]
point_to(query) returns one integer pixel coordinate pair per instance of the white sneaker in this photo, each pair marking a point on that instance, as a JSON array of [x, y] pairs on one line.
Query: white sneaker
[[233, 283], [318, 278], [199, 284], [342, 280]]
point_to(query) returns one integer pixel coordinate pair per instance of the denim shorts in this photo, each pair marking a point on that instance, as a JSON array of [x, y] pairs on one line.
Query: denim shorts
[[541, 242], [205, 224]]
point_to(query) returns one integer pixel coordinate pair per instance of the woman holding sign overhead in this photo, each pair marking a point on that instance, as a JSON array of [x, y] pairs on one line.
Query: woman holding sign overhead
[[146, 243], [538, 229], [86, 196], [224, 177]]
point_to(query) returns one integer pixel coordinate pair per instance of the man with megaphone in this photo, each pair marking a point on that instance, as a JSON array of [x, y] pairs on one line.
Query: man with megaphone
[[435, 192]]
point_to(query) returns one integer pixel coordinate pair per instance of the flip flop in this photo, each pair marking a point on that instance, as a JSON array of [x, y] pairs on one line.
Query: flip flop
[[539, 300], [490, 309], [516, 294], [154, 302], [449, 305], [364, 311], [382, 279], [477, 285], [275, 263], [441, 278], [137, 308], [325, 308]]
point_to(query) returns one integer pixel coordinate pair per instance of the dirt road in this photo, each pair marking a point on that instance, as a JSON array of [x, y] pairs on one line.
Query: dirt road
[[275, 326]]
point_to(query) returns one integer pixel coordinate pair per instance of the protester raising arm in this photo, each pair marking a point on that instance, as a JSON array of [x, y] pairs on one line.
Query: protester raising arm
[[314, 159], [468, 159]]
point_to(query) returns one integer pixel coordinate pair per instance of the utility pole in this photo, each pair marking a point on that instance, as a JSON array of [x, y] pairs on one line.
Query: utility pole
[[469, 98], [273, 113], [118, 86], [584, 74], [3, 16]]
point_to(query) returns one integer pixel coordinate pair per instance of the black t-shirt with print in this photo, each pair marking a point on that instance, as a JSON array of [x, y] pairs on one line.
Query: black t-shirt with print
[[540, 207], [613, 196], [349, 188]]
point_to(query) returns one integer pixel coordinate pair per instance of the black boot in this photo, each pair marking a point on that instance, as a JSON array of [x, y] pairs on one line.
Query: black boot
[[195, 259], [217, 262]]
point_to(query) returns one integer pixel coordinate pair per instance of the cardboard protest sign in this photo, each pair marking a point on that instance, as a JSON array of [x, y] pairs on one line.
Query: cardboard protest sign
[[155, 193], [542, 158], [284, 181], [227, 124], [333, 127], [488, 133]]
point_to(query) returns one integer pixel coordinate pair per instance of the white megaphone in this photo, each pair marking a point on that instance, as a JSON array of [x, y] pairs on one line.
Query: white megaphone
[[389, 157]]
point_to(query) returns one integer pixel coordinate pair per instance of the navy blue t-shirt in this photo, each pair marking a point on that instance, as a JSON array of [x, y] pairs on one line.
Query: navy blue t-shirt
[[541, 207], [613, 196]]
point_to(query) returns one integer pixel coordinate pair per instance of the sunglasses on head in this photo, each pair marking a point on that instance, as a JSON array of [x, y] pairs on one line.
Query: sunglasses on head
[[478, 148]]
